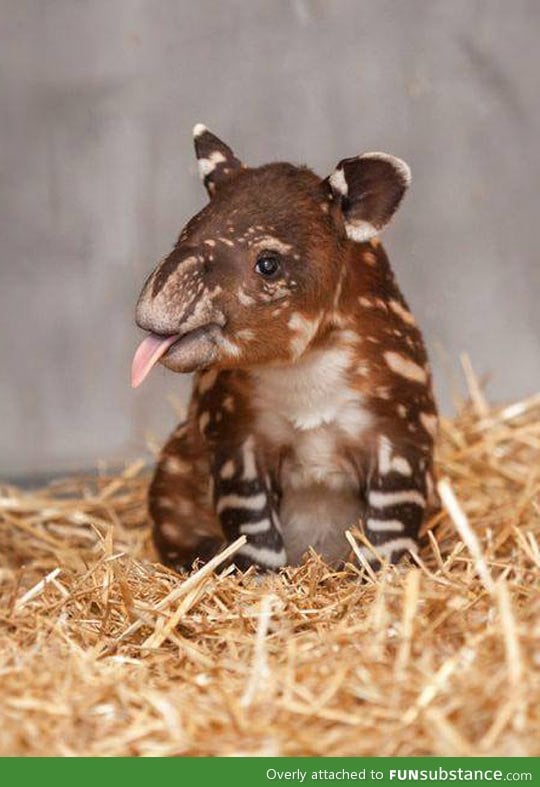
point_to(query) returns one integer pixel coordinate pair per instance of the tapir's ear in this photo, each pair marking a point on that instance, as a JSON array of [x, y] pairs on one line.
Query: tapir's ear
[[369, 189], [215, 159]]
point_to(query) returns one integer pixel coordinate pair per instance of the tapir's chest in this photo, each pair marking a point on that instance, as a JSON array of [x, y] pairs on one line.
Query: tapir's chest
[[309, 420], [308, 416]]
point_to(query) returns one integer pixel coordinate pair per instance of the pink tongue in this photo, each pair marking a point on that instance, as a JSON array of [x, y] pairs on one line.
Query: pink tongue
[[148, 354]]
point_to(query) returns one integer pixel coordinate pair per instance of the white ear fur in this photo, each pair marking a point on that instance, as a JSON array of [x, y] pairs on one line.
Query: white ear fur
[[401, 167], [198, 129], [215, 159], [338, 182], [360, 231], [370, 188]]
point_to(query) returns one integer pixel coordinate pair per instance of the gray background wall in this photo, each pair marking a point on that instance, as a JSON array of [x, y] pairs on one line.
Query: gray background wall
[[97, 176]]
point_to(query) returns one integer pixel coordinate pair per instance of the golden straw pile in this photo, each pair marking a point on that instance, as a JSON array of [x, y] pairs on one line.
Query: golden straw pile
[[105, 652]]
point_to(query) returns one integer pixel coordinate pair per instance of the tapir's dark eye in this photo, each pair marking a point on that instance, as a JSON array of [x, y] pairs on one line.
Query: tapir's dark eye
[[268, 264]]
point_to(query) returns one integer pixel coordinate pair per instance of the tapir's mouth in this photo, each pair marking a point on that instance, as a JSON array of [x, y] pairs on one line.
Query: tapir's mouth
[[185, 352]]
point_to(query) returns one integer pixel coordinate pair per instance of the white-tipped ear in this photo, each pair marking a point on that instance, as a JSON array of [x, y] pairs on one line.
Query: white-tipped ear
[[215, 159], [369, 188], [198, 129]]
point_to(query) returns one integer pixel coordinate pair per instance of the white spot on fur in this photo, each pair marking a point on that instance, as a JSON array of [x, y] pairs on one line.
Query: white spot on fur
[[199, 129], [264, 556], [360, 231], [270, 243], [228, 469], [305, 329], [385, 525], [248, 455], [387, 499], [401, 312], [229, 348], [244, 298], [401, 465], [402, 411], [246, 334], [176, 466], [429, 422], [252, 503], [252, 528], [369, 258], [228, 404], [385, 455], [165, 503], [170, 531], [207, 381], [351, 337], [388, 462], [279, 309], [338, 182], [363, 369], [204, 420], [274, 291], [207, 165], [405, 367]]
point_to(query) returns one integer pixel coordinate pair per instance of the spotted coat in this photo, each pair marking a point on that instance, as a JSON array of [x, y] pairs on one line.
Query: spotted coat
[[312, 408]]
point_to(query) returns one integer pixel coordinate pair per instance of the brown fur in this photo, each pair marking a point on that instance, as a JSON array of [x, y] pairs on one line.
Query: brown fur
[[334, 300]]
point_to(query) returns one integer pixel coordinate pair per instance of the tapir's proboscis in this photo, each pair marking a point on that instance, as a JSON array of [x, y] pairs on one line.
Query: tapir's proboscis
[[312, 409]]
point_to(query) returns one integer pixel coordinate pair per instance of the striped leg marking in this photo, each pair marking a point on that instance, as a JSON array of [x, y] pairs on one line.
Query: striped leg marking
[[243, 500], [396, 501]]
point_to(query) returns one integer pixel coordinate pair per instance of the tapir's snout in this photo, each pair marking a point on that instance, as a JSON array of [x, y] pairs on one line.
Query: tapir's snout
[[169, 292], [179, 312]]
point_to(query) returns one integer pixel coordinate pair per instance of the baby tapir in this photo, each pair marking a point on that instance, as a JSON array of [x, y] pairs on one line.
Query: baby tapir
[[312, 408]]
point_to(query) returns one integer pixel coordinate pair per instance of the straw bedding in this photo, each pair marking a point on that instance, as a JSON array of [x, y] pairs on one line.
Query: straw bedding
[[105, 652]]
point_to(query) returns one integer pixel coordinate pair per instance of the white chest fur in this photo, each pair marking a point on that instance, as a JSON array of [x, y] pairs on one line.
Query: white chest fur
[[307, 411]]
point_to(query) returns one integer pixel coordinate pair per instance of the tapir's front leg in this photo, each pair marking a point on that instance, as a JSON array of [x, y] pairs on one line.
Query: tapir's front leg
[[245, 504], [396, 499], [185, 527]]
